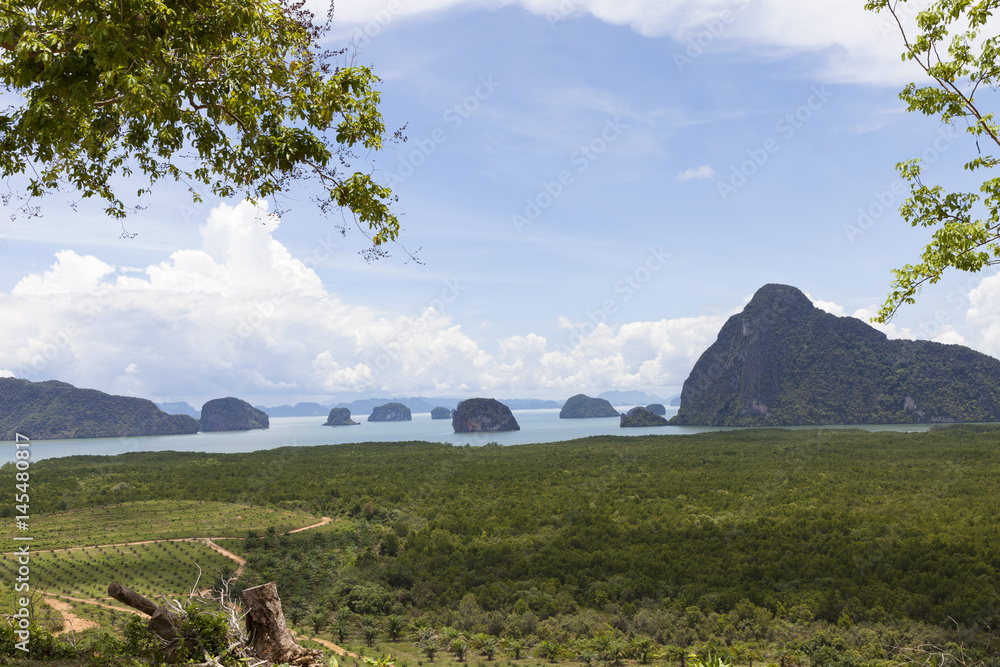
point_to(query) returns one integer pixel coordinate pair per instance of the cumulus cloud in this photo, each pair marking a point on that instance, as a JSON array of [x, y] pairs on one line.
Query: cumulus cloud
[[850, 44], [828, 306], [984, 314], [704, 172], [241, 316]]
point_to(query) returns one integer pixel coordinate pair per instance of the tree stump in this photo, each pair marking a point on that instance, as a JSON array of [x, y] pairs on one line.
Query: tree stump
[[267, 631]]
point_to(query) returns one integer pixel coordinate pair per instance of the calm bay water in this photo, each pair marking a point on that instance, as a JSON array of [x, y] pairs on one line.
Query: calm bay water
[[536, 426]]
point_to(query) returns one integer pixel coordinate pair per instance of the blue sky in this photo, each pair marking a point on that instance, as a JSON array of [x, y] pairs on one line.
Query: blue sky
[[592, 187]]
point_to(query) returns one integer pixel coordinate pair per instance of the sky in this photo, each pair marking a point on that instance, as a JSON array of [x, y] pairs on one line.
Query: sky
[[592, 188]]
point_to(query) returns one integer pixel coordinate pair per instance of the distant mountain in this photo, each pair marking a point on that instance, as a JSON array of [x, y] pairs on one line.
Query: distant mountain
[[297, 410], [782, 361], [675, 400], [530, 404], [450, 403], [365, 406], [179, 408], [52, 409], [630, 398], [427, 404]]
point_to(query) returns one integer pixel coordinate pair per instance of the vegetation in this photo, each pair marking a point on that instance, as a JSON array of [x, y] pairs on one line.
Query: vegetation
[[582, 406], [390, 412], [833, 548], [657, 409], [476, 415], [238, 101], [642, 417], [169, 568], [52, 409], [152, 520], [953, 46], [782, 361], [231, 414], [440, 413]]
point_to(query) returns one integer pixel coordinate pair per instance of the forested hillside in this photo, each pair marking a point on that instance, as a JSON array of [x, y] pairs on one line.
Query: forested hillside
[[44, 410]]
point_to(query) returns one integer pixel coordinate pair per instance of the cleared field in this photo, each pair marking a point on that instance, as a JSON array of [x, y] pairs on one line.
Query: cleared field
[[153, 520], [169, 568]]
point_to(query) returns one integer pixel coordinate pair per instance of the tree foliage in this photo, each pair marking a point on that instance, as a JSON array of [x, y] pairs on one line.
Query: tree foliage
[[236, 99], [953, 47]]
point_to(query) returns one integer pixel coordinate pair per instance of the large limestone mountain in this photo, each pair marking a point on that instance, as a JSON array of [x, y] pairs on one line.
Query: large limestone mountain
[[782, 361]]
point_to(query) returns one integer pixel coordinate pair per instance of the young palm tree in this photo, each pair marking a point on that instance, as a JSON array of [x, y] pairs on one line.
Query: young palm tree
[[429, 646], [641, 647], [483, 644], [318, 621], [514, 647], [368, 625], [548, 650], [460, 647], [341, 626], [393, 626]]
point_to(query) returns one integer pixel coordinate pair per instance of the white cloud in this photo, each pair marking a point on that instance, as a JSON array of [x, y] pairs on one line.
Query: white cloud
[[241, 316], [704, 172], [984, 315], [828, 306], [4, 373], [71, 274], [851, 44]]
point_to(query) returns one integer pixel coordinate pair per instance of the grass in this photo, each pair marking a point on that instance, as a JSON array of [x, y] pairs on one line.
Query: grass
[[152, 520]]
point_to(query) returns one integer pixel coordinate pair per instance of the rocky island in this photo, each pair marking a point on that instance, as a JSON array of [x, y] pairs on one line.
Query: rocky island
[[483, 414], [440, 413], [641, 417], [783, 362], [340, 417], [232, 414], [582, 406], [390, 412]]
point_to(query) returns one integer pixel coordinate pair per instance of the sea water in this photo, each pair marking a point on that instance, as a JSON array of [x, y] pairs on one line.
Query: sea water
[[536, 426]]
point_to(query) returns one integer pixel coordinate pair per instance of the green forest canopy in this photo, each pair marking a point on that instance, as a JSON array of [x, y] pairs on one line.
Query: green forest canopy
[[829, 523]]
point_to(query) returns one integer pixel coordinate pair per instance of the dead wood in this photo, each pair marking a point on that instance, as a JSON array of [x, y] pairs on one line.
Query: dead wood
[[267, 630]]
